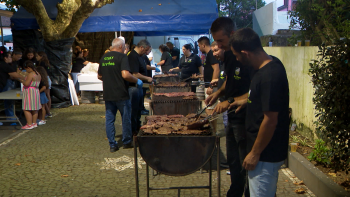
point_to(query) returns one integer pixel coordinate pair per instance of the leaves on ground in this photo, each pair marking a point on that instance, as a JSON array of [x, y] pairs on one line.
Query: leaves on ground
[[18, 164], [300, 191], [332, 174], [299, 183], [65, 175], [105, 116]]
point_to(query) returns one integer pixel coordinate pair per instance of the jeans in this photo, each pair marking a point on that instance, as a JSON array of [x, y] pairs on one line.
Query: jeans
[[236, 143], [8, 104], [263, 179], [136, 106], [75, 81], [124, 108]]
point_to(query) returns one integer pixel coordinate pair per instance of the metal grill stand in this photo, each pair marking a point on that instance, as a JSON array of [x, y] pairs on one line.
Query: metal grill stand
[[209, 187]]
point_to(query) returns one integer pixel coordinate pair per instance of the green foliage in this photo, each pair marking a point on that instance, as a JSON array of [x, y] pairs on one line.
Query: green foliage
[[240, 11], [331, 79], [321, 20], [321, 154], [10, 4]]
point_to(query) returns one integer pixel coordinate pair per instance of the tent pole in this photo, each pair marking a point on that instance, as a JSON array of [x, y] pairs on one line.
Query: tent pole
[[2, 33]]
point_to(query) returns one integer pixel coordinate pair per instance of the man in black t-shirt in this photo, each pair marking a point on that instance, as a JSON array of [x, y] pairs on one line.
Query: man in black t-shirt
[[115, 73], [267, 117], [175, 54], [211, 72], [236, 85], [138, 69]]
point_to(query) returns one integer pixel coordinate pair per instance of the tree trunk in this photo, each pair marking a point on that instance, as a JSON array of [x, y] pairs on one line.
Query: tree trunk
[[71, 15]]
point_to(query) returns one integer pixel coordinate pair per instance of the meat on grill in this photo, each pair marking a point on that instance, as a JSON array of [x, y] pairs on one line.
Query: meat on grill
[[174, 124], [171, 84], [165, 75]]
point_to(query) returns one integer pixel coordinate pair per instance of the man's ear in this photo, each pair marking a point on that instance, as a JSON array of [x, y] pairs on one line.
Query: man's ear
[[246, 53]]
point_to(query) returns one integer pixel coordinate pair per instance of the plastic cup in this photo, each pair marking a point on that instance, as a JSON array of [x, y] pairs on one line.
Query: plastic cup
[[270, 44], [307, 42], [293, 147], [18, 94], [299, 43]]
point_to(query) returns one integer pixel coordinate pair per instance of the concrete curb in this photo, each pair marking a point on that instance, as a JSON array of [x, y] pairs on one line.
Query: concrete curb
[[315, 179]]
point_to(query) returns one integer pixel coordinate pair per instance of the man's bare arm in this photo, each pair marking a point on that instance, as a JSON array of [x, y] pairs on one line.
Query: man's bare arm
[[142, 77], [127, 76]]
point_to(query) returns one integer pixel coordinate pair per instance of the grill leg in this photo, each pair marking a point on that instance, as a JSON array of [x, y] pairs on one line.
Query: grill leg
[[147, 179], [210, 177], [136, 168]]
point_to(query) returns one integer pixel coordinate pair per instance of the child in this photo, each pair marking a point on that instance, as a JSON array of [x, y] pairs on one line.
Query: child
[[31, 97], [43, 61], [43, 99]]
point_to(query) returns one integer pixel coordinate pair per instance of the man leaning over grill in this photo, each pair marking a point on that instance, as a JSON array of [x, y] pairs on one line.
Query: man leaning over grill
[[236, 85], [138, 69], [115, 73]]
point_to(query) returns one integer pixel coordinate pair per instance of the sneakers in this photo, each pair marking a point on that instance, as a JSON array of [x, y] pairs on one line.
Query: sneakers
[[113, 149], [27, 127], [48, 115], [125, 146], [35, 125], [41, 122]]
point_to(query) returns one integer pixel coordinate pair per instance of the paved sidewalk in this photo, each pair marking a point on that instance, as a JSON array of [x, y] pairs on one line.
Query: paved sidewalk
[[69, 156]]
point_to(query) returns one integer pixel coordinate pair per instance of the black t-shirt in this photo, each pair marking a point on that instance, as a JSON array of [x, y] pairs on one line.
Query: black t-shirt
[[78, 64], [238, 79], [222, 78], [269, 91], [5, 69], [147, 62], [168, 62], [208, 69], [115, 88], [137, 64], [175, 52], [189, 65]]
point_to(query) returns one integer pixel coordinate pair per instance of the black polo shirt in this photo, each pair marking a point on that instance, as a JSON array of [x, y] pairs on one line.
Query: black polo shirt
[[137, 64], [5, 69], [189, 65], [269, 91], [208, 69], [167, 62], [238, 79], [115, 88], [147, 62], [78, 64]]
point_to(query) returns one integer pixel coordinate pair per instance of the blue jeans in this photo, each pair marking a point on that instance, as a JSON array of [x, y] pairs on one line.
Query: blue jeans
[[8, 104], [124, 108], [263, 179], [136, 107], [75, 81], [236, 147]]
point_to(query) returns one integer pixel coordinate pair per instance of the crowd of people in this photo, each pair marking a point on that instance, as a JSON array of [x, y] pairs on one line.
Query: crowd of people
[[31, 70]]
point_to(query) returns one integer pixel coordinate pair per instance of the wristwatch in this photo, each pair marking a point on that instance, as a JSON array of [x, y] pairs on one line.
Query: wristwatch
[[231, 100]]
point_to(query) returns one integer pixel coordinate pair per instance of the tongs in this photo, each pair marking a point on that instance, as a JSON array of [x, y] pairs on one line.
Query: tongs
[[201, 123], [199, 113]]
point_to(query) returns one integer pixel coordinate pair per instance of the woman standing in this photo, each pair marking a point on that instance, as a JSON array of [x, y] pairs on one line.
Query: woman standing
[[78, 64], [189, 63], [31, 97], [44, 62], [165, 60]]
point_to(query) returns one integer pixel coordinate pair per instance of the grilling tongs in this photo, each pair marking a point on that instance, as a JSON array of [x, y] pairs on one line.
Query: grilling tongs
[[199, 113], [201, 123]]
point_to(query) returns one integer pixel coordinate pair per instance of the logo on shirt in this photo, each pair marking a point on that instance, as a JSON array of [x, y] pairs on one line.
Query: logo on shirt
[[249, 101], [189, 61], [222, 75], [237, 71]]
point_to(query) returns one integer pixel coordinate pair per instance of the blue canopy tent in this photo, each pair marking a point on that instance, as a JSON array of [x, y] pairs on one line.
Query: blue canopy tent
[[146, 18]]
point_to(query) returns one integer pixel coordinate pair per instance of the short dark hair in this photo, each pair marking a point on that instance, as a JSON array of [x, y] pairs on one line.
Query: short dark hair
[[164, 48], [143, 43], [245, 39], [204, 40], [17, 52], [169, 43], [188, 47], [222, 23]]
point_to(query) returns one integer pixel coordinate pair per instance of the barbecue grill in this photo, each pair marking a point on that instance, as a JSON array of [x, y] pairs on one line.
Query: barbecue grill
[[173, 107], [166, 78], [177, 155], [168, 87]]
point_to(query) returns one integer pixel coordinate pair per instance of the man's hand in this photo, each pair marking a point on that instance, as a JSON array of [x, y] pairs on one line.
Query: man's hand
[[211, 99], [221, 107], [239, 104], [171, 70], [250, 161], [214, 82], [158, 70], [209, 91], [149, 79]]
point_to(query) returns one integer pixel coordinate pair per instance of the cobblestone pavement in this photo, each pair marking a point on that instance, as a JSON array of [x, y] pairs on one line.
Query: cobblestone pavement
[[69, 156]]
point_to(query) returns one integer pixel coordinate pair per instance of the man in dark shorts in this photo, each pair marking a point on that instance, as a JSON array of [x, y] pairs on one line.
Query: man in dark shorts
[[236, 85], [267, 118], [115, 73], [175, 54], [138, 69]]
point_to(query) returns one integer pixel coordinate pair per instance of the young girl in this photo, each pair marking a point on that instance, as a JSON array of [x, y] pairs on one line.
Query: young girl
[[31, 97], [43, 99], [43, 61], [29, 54]]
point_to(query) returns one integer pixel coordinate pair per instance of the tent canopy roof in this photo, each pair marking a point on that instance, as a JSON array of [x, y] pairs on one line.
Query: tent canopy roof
[[151, 17]]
